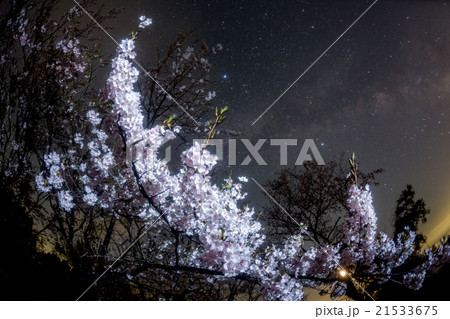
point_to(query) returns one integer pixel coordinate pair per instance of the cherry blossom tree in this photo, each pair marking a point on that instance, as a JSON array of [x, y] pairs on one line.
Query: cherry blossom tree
[[166, 233], [343, 219], [194, 226], [48, 69], [314, 195]]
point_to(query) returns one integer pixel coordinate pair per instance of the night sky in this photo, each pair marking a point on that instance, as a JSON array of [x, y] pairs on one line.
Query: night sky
[[383, 91]]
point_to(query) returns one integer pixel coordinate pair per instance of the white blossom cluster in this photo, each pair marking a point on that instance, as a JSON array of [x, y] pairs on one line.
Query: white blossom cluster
[[71, 62], [435, 256], [70, 46], [144, 22]]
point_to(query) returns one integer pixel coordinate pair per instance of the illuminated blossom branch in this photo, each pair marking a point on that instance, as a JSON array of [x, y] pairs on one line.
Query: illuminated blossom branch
[[200, 226]]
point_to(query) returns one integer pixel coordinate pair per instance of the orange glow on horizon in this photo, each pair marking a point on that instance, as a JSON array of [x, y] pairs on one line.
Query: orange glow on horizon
[[438, 231]]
